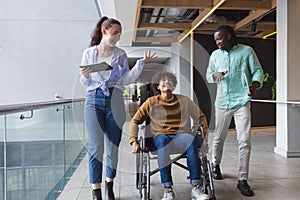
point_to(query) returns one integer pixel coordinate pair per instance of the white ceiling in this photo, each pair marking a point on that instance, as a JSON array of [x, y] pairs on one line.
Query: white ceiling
[[124, 11]]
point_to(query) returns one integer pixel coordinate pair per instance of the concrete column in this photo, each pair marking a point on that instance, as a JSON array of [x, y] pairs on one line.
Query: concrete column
[[288, 81]]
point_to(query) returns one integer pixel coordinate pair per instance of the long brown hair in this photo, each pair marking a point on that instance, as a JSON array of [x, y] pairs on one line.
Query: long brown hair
[[97, 33]]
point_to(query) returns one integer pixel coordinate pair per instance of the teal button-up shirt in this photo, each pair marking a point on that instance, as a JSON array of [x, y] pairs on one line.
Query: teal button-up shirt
[[232, 91]]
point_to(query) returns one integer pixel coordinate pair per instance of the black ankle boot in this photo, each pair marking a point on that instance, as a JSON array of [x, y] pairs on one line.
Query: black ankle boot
[[97, 194], [109, 192], [216, 172]]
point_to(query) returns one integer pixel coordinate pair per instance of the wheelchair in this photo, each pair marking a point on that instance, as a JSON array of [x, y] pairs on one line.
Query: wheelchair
[[148, 152]]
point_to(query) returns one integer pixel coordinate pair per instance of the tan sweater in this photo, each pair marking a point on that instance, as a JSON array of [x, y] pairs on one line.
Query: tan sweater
[[167, 117]]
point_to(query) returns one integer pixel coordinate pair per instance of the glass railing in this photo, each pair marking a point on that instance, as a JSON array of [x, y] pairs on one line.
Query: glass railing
[[41, 145]]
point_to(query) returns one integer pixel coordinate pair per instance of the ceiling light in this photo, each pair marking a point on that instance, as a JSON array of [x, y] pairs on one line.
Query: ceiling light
[[266, 36]]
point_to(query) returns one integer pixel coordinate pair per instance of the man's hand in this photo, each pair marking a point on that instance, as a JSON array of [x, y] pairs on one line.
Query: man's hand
[[253, 88], [135, 149], [219, 76]]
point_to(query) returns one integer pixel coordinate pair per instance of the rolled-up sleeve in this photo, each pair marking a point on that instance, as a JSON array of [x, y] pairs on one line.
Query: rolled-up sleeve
[[139, 117], [132, 75], [197, 114], [84, 61], [210, 70], [255, 68]]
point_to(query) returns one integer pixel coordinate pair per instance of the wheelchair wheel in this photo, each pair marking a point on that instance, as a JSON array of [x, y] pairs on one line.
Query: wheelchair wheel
[[143, 173], [208, 185], [211, 184], [148, 176], [143, 189], [145, 186], [139, 172]]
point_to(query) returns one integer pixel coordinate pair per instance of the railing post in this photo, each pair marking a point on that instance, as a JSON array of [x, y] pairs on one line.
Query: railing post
[[5, 159]]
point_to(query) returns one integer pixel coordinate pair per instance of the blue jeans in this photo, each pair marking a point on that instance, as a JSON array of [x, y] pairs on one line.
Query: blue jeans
[[104, 117], [168, 143]]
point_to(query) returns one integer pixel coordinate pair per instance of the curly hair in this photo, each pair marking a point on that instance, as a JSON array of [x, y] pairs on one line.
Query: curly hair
[[161, 75]]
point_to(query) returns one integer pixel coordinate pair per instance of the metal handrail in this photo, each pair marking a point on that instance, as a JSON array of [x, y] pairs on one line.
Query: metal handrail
[[7, 109], [275, 101], [31, 107]]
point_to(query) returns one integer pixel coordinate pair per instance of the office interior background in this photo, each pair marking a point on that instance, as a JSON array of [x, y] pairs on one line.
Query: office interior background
[[42, 100]]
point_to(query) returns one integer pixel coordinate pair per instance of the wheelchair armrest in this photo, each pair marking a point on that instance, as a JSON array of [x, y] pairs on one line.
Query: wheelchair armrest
[[198, 130], [146, 145]]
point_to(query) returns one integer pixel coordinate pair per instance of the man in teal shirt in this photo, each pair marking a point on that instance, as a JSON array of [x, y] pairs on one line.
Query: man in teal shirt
[[237, 72]]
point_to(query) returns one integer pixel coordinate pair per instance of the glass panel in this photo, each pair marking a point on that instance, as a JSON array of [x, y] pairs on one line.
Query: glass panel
[[75, 140], [2, 184], [74, 143], [2, 175], [35, 155]]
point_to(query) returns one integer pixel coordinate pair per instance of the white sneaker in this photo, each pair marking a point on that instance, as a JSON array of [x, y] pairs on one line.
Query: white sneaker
[[198, 194], [168, 194]]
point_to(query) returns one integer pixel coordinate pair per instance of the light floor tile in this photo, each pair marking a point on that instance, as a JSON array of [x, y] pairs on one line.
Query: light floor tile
[[271, 176]]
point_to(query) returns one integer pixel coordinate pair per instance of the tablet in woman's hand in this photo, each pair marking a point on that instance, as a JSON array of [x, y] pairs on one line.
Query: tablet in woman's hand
[[103, 66]]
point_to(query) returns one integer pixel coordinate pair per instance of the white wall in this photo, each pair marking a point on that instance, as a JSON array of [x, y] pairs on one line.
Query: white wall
[[174, 65], [124, 11], [287, 115], [185, 67], [41, 46]]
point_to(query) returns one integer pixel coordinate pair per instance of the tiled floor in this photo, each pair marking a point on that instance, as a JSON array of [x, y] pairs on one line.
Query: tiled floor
[[271, 176]]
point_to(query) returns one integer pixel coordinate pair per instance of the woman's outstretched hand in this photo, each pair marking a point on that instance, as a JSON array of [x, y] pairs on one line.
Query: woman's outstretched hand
[[148, 56]]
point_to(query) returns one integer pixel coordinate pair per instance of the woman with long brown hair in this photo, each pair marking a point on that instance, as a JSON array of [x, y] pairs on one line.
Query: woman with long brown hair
[[104, 110]]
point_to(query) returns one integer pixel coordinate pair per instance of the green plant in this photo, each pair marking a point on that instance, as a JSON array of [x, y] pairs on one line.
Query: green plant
[[273, 88]]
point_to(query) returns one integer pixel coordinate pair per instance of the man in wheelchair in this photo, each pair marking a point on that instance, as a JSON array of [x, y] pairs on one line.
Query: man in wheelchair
[[170, 127]]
